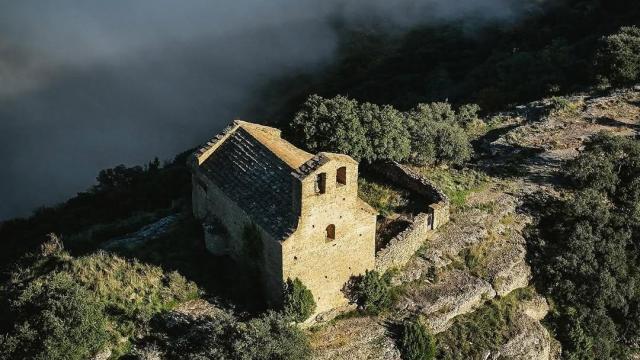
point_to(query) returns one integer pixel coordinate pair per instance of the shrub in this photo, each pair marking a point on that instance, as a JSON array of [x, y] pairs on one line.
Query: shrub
[[371, 292], [132, 292], [298, 300], [486, 329], [54, 318], [220, 335], [618, 57], [416, 342], [584, 250]]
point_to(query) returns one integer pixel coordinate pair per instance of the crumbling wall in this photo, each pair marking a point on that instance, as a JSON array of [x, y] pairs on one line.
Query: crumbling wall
[[403, 176], [401, 248]]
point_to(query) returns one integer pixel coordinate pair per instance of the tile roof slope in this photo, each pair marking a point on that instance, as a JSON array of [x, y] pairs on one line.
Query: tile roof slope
[[250, 167], [270, 137]]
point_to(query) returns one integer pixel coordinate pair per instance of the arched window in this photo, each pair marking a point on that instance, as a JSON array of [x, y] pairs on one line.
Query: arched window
[[321, 183], [341, 176], [331, 232]]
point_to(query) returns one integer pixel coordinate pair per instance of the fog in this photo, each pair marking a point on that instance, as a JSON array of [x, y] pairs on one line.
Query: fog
[[89, 84]]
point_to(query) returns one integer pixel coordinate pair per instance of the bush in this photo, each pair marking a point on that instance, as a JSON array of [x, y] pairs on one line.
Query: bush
[[618, 57], [219, 335], [54, 318], [485, 329], [371, 292], [416, 342], [298, 300]]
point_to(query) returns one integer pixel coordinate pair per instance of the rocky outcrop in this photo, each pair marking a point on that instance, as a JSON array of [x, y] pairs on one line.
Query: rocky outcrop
[[354, 339], [454, 294], [505, 266], [529, 340], [146, 233]]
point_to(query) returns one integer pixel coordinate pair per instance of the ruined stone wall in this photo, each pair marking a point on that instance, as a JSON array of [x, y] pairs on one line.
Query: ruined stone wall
[[216, 210], [404, 177], [401, 248], [326, 265]]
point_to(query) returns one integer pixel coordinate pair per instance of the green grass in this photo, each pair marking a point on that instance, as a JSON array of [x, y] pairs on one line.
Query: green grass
[[131, 291], [485, 329], [456, 184], [385, 199]]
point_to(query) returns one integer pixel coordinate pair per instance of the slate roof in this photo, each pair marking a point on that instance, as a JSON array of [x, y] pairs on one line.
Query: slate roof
[[254, 169]]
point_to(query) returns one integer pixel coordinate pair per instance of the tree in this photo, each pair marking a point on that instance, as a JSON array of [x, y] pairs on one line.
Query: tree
[[332, 125], [428, 134], [298, 300], [388, 137], [371, 292], [436, 136], [55, 318], [585, 251], [618, 57], [416, 342]]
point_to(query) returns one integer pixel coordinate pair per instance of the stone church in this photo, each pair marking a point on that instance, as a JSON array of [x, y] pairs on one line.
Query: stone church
[[290, 213]]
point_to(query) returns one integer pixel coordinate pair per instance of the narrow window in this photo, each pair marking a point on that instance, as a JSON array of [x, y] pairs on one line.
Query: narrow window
[[331, 232], [341, 176], [321, 183]]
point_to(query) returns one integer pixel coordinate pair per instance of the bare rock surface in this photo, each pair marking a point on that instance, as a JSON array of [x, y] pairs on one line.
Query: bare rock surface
[[146, 233], [529, 340], [456, 293], [354, 339]]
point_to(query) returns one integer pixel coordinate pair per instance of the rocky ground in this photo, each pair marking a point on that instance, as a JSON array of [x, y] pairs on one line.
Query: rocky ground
[[481, 253]]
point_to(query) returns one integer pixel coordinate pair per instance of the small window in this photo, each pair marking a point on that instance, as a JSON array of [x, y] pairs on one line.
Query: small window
[[321, 183], [331, 232], [341, 176]]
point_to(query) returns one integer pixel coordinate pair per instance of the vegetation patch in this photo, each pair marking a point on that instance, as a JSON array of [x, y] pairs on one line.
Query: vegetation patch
[[372, 292], [416, 342], [584, 251], [427, 134], [96, 294], [456, 184], [384, 198], [221, 335], [299, 303], [487, 328]]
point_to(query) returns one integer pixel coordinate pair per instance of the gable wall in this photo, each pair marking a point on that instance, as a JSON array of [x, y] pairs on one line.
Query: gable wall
[[325, 266]]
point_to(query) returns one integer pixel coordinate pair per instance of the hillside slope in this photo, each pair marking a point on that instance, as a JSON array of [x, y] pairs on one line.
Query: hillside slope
[[472, 281]]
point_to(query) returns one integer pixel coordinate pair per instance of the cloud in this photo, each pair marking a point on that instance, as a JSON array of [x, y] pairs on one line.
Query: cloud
[[88, 84]]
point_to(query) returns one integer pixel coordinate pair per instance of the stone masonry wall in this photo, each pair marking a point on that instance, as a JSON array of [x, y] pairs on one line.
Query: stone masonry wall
[[214, 208], [402, 247], [325, 265]]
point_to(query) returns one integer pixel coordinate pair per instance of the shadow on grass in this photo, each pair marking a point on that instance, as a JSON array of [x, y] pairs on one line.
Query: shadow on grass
[[182, 249]]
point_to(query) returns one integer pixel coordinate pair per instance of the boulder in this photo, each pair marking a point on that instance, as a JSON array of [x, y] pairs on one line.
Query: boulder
[[455, 293]]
